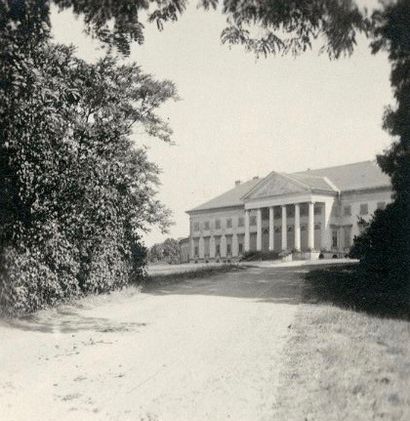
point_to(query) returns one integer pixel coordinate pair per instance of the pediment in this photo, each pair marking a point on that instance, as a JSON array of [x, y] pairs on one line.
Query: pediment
[[275, 184]]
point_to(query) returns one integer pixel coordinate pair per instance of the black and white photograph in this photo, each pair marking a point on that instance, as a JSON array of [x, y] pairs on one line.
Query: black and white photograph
[[204, 210]]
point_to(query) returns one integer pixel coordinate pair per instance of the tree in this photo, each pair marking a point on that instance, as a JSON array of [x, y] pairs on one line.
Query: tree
[[169, 251], [267, 26], [76, 194], [384, 247]]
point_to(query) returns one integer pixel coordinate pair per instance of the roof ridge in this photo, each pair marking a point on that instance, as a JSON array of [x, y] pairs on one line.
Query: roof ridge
[[335, 166], [305, 185]]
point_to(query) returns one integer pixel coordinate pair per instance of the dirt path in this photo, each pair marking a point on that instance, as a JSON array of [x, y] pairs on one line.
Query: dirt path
[[207, 349]]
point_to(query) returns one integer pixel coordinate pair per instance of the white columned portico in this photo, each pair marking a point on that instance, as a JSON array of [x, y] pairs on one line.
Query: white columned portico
[[259, 229], [271, 230], [297, 227], [247, 233], [311, 226], [284, 229]]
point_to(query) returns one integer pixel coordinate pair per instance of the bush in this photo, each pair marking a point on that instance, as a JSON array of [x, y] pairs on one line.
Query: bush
[[384, 250], [254, 255]]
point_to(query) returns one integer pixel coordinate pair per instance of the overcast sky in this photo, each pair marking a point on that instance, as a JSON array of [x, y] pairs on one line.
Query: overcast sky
[[240, 117]]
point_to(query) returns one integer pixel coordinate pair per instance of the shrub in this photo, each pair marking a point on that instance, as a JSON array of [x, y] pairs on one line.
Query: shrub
[[253, 255]]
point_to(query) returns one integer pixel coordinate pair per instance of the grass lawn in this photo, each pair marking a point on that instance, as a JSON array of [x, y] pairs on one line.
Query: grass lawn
[[341, 363]]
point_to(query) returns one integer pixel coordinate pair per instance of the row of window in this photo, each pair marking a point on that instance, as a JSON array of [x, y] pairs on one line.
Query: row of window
[[228, 224], [364, 209], [347, 211], [218, 250]]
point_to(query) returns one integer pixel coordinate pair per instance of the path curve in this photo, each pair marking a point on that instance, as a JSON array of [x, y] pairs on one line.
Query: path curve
[[205, 349]]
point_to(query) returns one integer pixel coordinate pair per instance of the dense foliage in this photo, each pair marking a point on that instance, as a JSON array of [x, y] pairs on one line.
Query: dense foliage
[[168, 251], [75, 192], [384, 246], [263, 27]]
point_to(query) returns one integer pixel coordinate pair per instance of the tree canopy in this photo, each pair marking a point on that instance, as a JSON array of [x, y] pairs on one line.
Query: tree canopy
[[265, 26]]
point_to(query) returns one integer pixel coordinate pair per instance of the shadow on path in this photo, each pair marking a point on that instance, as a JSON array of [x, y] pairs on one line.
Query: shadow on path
[[67, 319], [264, 284]]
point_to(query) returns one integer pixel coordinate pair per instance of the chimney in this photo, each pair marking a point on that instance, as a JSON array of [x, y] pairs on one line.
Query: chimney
[[237, 182]]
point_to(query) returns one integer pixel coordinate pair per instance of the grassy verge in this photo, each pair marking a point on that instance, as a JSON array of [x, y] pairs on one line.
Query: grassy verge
[[344, 364]]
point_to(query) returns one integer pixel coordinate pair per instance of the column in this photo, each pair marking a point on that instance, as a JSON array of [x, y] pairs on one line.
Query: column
[[297, 226], [311, 226], [259, 229], [284, 229], [271, 230], [323, 230], [247, 234]]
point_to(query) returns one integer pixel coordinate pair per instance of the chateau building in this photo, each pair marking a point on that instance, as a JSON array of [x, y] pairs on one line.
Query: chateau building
[[305, 213]]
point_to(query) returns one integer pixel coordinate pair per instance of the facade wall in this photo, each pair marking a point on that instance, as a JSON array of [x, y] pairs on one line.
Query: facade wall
[[219, 233], [221, 230], [347, 210]]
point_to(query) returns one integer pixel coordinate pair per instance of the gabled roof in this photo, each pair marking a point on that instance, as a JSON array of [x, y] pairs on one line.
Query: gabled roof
[[357, 176], [230, 198], [277, 184]]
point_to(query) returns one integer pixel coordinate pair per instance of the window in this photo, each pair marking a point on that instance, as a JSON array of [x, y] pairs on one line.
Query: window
[[196, 226], [228, 249], [218, 249], [252, 220], [317, 226], [277, 212], [240, 248], [241, 221], [347, 210], [196, 251], [277, 229], [229, 223], [206, 225], [348, 237], [364, 209], [217, 224], [290, 228], [334, 239], [317, 210], [381, 205]]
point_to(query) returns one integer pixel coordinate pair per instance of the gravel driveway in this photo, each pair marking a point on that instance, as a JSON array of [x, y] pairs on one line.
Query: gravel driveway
[[205, 349]]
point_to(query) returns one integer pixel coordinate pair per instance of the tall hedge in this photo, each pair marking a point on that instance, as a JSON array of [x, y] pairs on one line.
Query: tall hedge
[[76, 191]]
